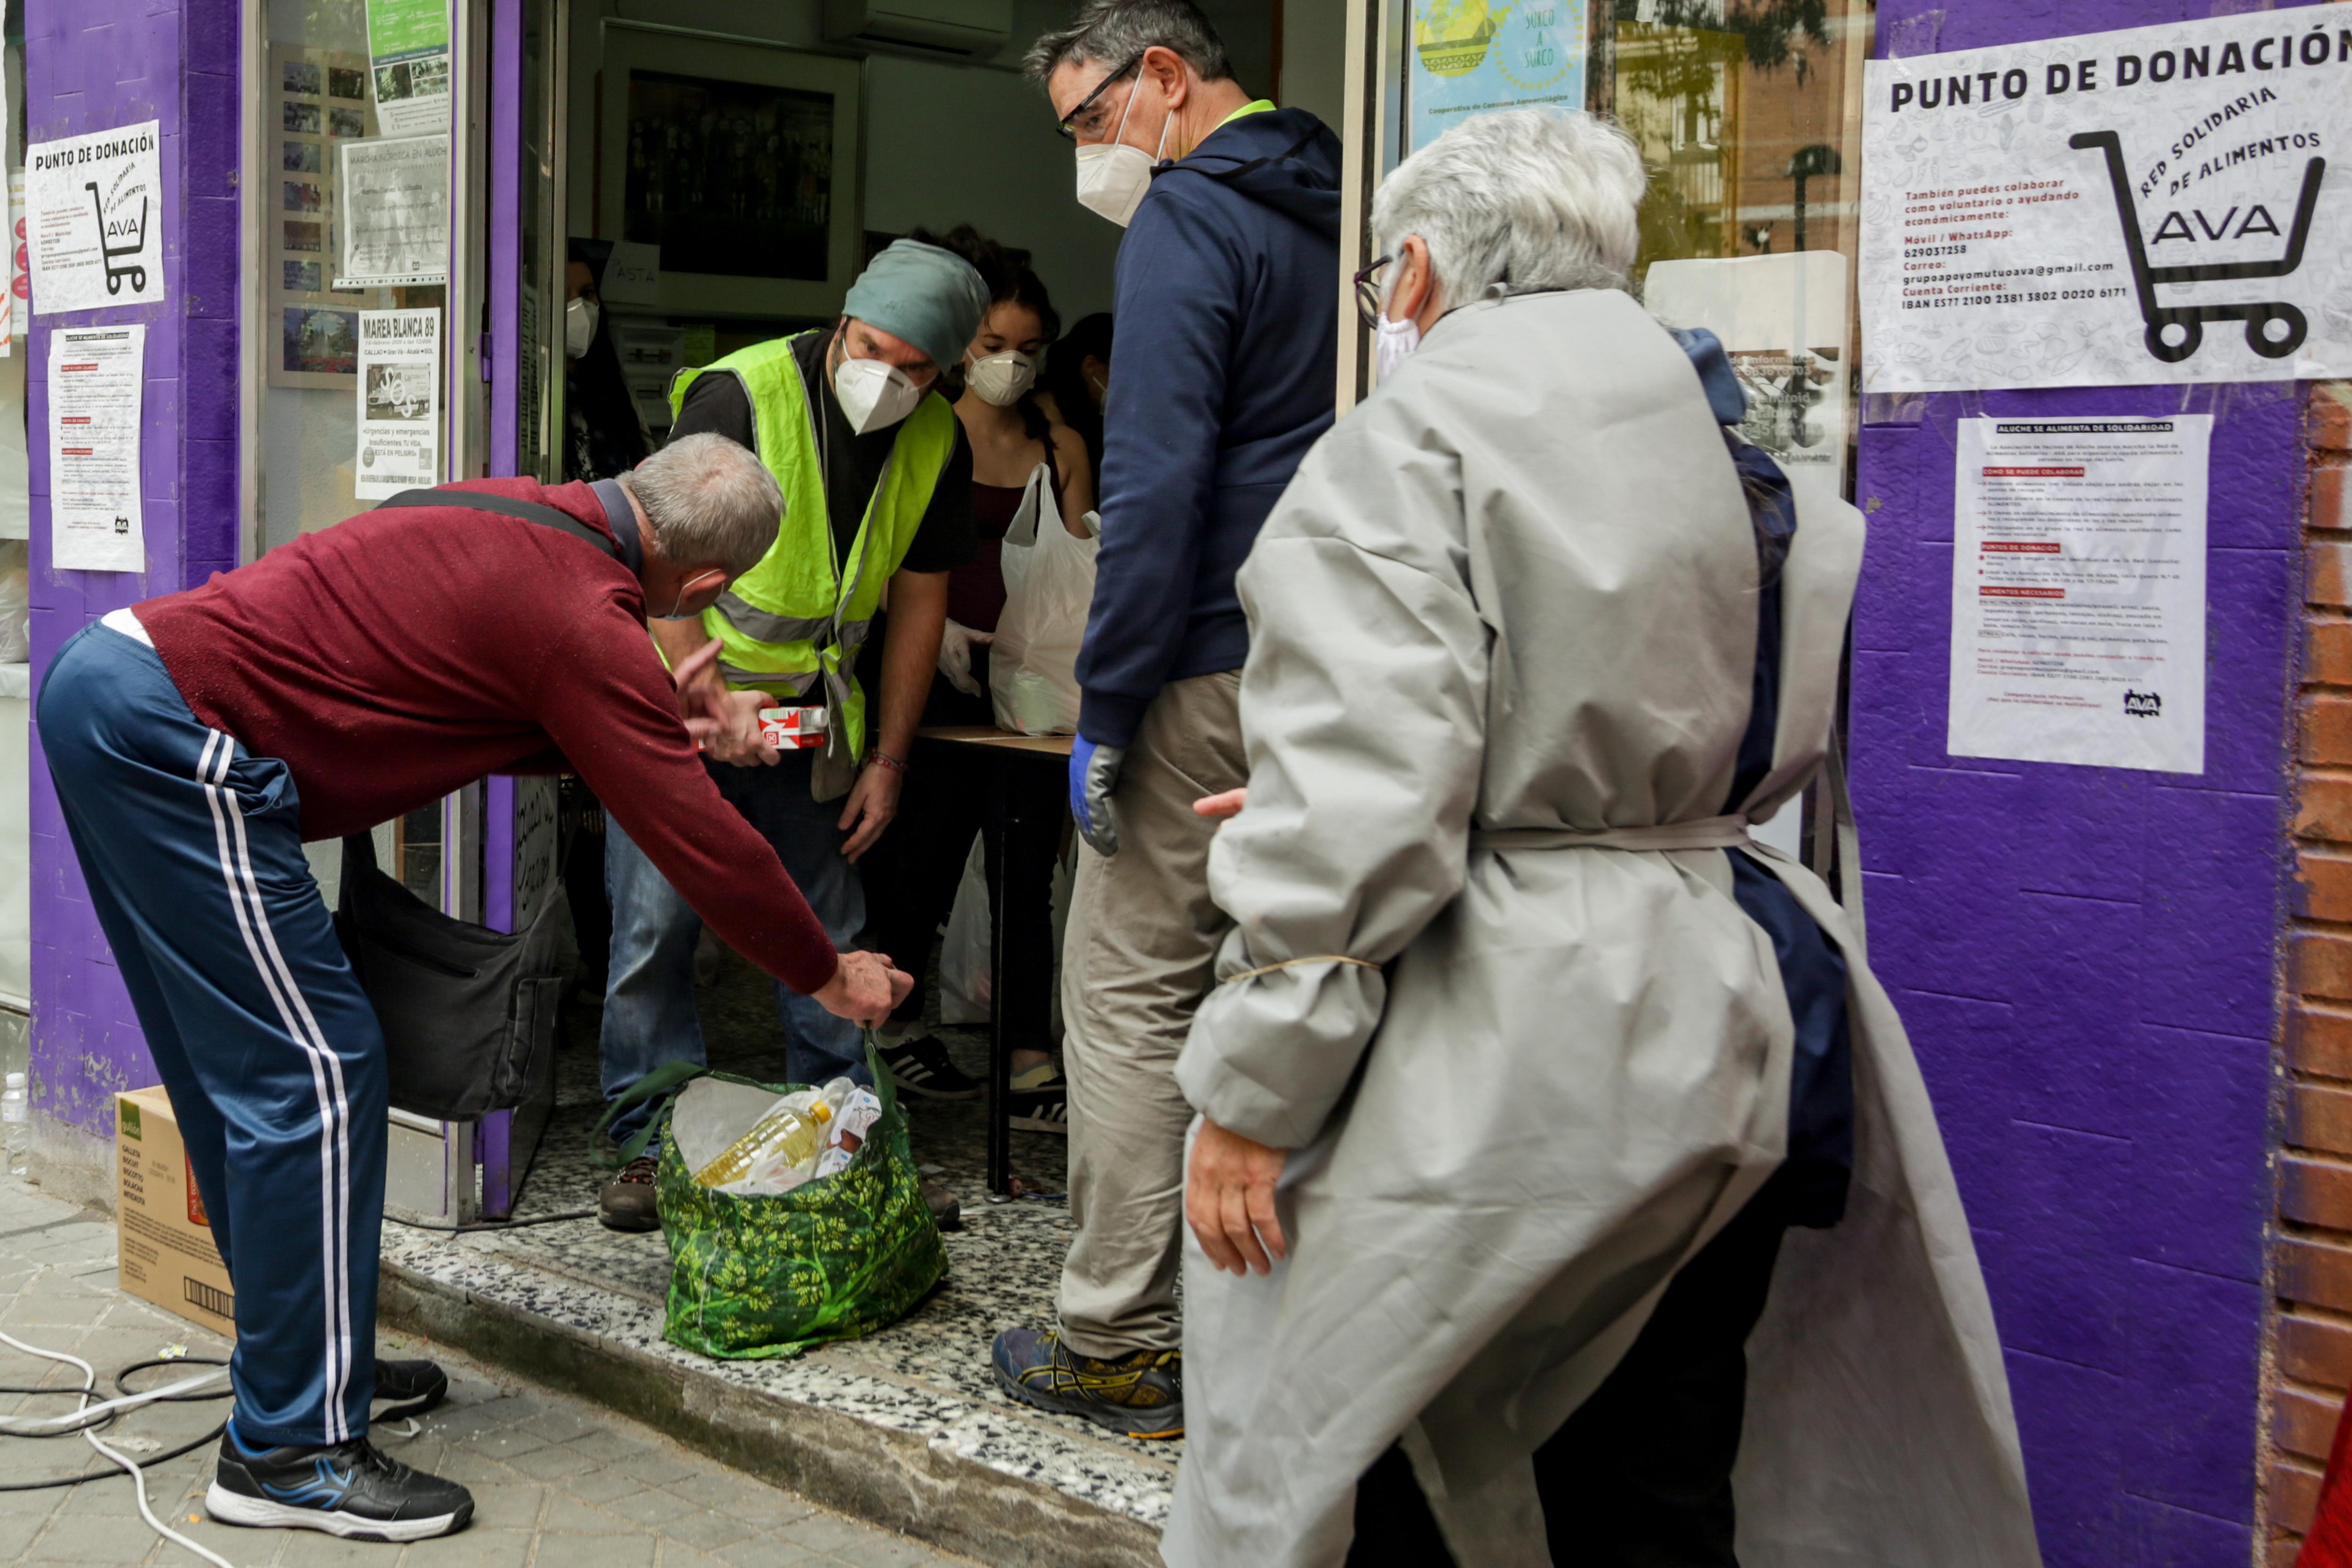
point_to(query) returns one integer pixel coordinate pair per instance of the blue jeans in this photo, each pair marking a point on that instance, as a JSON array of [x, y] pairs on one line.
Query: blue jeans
[[649, 1013]]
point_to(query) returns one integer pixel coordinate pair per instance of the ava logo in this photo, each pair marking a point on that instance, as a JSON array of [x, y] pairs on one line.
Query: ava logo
[[2143, 705], [2274, 329]]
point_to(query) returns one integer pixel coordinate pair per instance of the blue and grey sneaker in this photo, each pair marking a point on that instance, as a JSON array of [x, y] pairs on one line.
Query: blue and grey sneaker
[[348, 1490], [1140, 1394]]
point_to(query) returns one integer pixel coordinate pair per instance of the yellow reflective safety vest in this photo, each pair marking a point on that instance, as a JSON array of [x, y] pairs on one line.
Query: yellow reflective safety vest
[[794, 623]]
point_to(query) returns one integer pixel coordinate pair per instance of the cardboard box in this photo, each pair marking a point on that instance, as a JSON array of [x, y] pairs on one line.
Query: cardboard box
[[166, 1250]]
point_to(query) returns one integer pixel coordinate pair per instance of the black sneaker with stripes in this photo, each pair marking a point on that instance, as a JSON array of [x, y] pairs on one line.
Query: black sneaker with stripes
[[1044, 1109], [920, 1067]]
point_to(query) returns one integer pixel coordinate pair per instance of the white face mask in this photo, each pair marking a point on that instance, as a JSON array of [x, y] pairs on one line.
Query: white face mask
[[1001, 379], [874, 395], [1114, 176], [579, 326], [1393, 340], [686, 589]]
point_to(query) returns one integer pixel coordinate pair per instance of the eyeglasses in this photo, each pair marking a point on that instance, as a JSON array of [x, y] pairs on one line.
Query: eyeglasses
[[1088, 103], [1368, 293]]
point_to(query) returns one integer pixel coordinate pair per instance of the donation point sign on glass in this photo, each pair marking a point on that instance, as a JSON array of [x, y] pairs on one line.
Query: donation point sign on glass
[[2152, 205]]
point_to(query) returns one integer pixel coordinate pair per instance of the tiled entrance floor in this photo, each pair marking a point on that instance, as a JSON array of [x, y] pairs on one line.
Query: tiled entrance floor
[[925, 1379]]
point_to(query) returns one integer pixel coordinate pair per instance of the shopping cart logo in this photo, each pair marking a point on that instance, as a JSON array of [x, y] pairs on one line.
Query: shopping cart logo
[[2274, 329], [112, 254]]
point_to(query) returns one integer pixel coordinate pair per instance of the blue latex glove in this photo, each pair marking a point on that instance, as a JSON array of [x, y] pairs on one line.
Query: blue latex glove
[[1094, 774]]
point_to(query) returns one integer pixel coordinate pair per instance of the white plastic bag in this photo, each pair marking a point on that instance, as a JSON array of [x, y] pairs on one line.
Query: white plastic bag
[[1049, 582], [963, 955]]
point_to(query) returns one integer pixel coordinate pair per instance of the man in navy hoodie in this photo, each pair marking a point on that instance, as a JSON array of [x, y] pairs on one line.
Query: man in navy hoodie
[[1227, 311]]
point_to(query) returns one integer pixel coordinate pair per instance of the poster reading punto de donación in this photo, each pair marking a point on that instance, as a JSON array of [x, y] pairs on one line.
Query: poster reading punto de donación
[[2160, 204]]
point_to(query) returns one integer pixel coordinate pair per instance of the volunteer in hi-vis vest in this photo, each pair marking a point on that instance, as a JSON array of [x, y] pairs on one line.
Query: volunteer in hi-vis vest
[[876, 478]]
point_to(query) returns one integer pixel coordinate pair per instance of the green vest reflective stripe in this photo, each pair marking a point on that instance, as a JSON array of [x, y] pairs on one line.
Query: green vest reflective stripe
[[792, 623]]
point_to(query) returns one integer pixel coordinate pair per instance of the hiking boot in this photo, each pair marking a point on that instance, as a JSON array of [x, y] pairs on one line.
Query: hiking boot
[[626, 1202], [1140, 1394], [920, 1066], [413, 1387], [1046, 1108], [350, 1489]]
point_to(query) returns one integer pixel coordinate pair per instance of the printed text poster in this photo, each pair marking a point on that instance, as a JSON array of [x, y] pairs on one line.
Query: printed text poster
[[408, 57], [400, 403], [2078, 592], [2160, 204], [395, 211], [94, 219], [97, 377]]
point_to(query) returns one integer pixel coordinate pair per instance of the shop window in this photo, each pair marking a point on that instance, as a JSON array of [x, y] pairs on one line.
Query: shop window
[[349, 183], [1748, 114]]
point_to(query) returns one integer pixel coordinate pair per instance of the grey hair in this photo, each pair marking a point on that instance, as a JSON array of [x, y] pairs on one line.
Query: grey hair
[[1526, 198], [1113, 32], [710, 500]]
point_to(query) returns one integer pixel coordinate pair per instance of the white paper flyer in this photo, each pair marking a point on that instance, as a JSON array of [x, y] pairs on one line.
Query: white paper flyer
[[94, 219], [400, 403], [395, 211], [97, 380], [2156, 204], [2078, 592]]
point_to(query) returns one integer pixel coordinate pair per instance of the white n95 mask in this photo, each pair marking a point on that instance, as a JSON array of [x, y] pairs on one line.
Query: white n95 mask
[[874, 395], [1113, 176], [1001, 379], [579, 326]]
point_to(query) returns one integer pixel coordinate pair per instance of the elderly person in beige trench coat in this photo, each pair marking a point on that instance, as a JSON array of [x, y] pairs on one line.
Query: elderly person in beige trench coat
[[1565, 1190]]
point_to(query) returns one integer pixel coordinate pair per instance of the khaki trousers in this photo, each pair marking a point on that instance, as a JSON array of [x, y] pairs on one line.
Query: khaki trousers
[[1136, 962]]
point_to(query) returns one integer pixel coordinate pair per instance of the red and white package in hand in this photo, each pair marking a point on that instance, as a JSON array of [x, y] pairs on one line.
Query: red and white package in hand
[[792, 728]]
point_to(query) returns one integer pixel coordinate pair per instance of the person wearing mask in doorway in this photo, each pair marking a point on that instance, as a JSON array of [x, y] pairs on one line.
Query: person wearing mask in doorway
[[1027, 473], [602, 438], [876, 481], [1075, 383], [342, 680], [1227, 300]]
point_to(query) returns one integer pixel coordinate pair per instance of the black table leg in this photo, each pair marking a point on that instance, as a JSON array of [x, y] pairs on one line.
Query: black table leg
[[996, 826]]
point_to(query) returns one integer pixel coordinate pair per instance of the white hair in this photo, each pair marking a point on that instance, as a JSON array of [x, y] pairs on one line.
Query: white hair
[[710, 500], [1526, 198]]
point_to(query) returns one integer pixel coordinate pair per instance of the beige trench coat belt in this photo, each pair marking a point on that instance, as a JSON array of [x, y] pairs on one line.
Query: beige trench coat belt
[[1702, 833]]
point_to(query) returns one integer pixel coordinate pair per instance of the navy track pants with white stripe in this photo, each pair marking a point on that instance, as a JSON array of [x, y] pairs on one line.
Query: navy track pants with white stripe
[[259, 1030]]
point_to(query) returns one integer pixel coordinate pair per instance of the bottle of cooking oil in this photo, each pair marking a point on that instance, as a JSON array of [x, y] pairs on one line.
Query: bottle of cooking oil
[[787, 1131]]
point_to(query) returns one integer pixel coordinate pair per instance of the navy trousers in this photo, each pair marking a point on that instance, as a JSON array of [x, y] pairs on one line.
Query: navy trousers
[[193, 850]]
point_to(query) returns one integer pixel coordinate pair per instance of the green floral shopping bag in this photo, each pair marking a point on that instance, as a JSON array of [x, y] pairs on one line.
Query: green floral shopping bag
[[757, 1278]]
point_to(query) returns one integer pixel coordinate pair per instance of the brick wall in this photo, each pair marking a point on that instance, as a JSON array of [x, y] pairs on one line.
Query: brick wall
[[2309, 1364]]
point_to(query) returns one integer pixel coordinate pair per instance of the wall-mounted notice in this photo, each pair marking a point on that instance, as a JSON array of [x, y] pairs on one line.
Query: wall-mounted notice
[[400, 403], [409, 53], [2147, 206], [94, 211], [96, 377], [2078, 592], [395, 220], [1470, 55], [13, 303]]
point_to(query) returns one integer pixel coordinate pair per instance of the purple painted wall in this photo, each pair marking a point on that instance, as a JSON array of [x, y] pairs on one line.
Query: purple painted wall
[[2087, 957], [90, 65]]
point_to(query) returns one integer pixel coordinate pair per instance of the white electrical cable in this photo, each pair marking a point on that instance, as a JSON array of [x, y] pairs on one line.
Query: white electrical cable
[[138, 1477], [91, 1414]]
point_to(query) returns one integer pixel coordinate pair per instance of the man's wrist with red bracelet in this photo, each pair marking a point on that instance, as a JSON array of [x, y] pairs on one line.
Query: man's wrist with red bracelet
[[895, 764]]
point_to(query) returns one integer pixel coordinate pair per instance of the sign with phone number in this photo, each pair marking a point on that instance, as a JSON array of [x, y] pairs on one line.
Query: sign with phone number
[[2152, 205]]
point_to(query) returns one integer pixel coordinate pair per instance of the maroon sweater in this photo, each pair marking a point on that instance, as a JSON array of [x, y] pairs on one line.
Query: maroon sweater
[[395, 657]]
